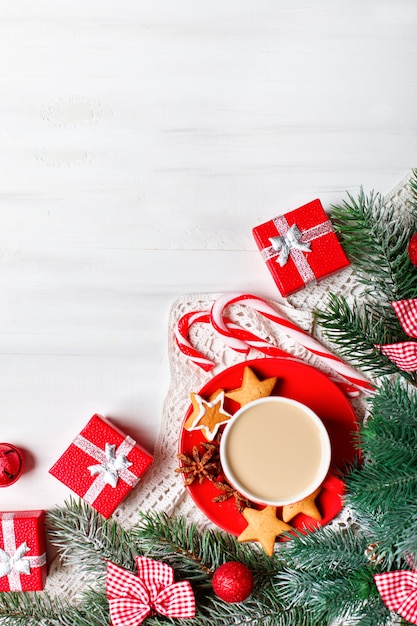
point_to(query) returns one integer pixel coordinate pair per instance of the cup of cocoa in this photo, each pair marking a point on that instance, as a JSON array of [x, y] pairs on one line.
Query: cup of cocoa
[[275, 451]]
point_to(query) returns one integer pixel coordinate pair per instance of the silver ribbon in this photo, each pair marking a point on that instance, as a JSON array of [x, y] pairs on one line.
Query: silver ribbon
[[112, 467], [283, 244], [297, 255], [15, 562]]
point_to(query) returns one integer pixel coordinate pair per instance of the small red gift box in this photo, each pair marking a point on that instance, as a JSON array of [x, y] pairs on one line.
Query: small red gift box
[[102, 465], [300, 247], [22, 552]]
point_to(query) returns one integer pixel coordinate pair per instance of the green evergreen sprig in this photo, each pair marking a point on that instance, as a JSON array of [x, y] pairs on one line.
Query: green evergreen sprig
[[329, 572], [357, 329], [87, 540], [40, 609], [259, 610], [383, 490], [375, 236], [197, 553]]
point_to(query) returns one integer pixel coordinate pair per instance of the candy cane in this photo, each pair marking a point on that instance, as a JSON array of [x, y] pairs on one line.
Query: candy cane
[[273, 351], [240, 339], [291, 329], [241, 335], [181, 336]]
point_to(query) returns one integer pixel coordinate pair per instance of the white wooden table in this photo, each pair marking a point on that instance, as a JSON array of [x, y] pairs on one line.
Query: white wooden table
[[140, 142]]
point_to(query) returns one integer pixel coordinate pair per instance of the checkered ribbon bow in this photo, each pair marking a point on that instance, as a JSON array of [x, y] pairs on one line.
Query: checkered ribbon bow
[[404, 353], [398, 590], [133, 598]]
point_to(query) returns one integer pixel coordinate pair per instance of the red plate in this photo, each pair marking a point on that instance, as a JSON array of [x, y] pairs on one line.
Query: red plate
[[308, 385]]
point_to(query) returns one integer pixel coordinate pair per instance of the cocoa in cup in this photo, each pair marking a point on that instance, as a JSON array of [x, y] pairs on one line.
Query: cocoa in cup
[[275, 451]]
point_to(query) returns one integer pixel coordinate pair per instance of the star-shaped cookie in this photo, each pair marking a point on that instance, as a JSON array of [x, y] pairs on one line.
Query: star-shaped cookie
[[196, 412], [306, 506], [211, 415], [263, 526], [252, 388]]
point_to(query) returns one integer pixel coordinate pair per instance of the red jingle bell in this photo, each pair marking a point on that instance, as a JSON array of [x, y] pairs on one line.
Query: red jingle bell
[[11, 464]]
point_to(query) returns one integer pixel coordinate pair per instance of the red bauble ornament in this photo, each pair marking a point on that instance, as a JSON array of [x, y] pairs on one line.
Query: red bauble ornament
[[11, 464], [233, 582], [412, 249]]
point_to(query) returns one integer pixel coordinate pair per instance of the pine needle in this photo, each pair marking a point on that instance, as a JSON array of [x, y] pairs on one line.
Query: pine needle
[[375, 236], [84, 538], [39, 609], [357, 330], [383, 491], [196, 554], [328, 572]]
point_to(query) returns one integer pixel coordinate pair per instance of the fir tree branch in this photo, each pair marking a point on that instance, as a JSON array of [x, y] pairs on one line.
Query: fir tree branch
[[195, 554], [413, 188], [393, 532], [84, 538], [40, 609], [328, 572], [389, 442], [356, 332], [259, 610], [375, 236], [383, 491], [389, 436]]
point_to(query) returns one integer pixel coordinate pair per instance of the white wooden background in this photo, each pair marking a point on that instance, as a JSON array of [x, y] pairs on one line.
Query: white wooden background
[[140, 142]]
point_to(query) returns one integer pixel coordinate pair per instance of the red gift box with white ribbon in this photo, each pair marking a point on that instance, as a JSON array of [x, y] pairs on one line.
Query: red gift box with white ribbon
[[300, 247], [22, 551], [102, 465]]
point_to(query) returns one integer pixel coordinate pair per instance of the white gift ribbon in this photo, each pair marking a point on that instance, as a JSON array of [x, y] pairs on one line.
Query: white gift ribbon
[[111, 466], [13, 561]]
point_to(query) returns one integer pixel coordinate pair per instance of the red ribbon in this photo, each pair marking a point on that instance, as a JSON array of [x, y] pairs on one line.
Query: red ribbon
[[404, 353], [398, 590], [133, 598]]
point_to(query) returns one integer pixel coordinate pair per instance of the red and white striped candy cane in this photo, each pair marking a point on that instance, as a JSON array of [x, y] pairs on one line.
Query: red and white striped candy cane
[[290, 328], [240, 339], [181, 335], [273, 351], [239, 334]]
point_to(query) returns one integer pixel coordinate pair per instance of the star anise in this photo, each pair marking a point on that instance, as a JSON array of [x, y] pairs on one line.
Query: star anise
[[200, 467], [230, 492]]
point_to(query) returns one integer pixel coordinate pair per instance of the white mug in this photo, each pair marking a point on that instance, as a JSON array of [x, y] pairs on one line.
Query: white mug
[[275, 451]]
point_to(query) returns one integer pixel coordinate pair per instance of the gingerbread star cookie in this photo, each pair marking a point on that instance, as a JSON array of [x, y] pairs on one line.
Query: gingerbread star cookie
[[263, 526], [252, 388], [306, 506], [210, 416], [196, 412]]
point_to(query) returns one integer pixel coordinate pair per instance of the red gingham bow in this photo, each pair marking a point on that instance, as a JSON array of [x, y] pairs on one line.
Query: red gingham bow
[[132, 598], [398, 590], [404, 353]]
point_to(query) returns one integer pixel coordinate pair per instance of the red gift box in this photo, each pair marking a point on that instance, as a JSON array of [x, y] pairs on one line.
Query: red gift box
[[102, 465], [22, 552], [300, 247]]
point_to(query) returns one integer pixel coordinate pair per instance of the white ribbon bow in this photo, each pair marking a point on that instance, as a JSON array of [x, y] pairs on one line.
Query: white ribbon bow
[[111, 468], [16, 562], [284, 244]]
